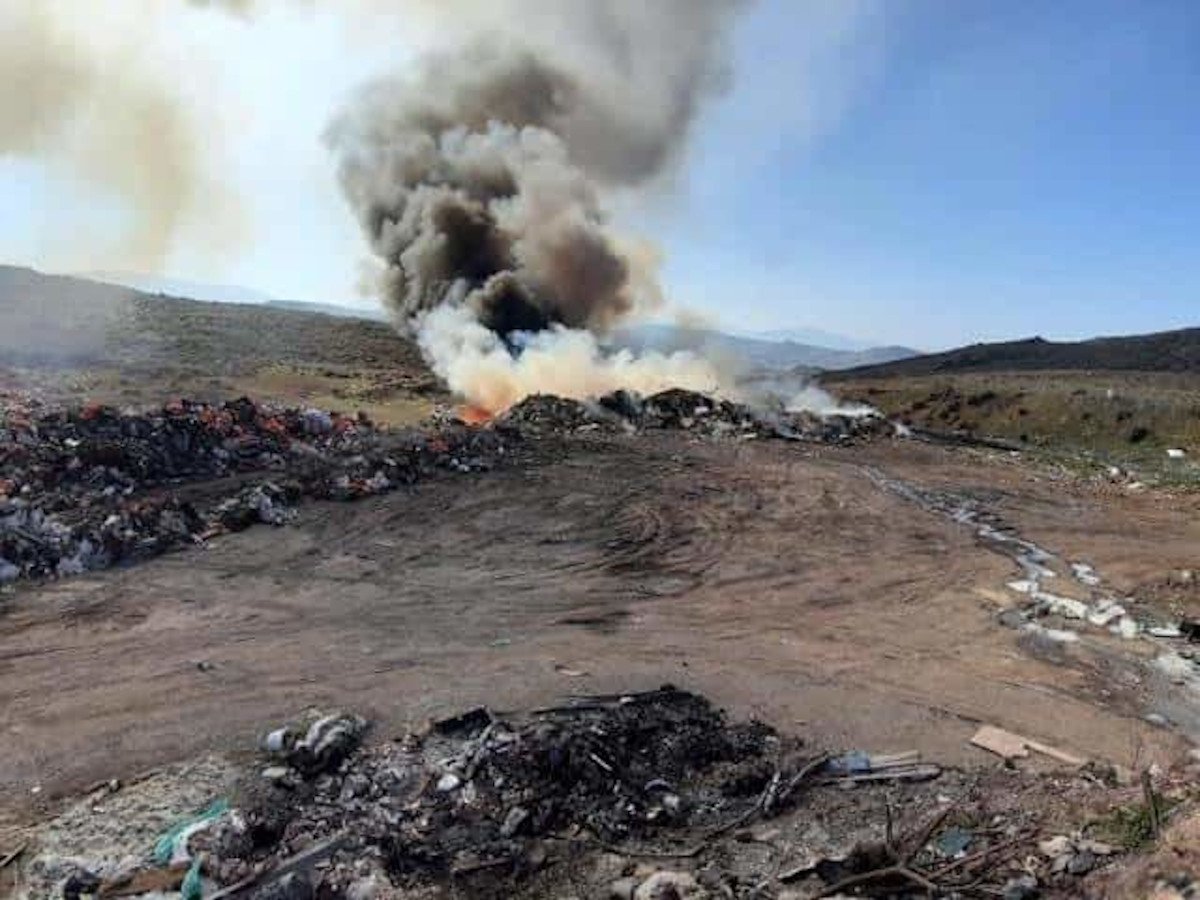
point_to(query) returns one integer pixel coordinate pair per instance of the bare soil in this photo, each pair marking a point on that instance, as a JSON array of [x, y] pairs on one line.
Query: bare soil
[[781, 581]]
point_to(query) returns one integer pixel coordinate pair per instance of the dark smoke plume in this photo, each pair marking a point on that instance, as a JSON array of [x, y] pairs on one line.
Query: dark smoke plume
[[480, 179]]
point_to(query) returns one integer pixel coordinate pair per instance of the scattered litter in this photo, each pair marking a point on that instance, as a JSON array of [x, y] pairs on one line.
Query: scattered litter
[[1063, 606], [1085, 574], [90, 488], [1164, 631], [954, 841], [172, 847], [1105, 612], [1127, 627], [1176, 453], [858, 766], [570, 672], [1014, 746]]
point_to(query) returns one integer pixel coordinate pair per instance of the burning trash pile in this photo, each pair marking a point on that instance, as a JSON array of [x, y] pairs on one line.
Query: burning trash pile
[[684, 410], [641, 796], [90, 488]]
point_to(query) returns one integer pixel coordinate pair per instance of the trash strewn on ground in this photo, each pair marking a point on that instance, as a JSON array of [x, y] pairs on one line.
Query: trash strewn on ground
[[94, 487], [684, 410], [653, 794]]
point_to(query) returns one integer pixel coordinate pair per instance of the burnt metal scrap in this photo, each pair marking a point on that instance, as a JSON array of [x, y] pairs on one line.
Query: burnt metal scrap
[[95, 487]]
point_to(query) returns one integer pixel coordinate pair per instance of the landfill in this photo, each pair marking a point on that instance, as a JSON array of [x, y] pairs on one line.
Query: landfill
[[94, 487], [692, 412], [643, 795]]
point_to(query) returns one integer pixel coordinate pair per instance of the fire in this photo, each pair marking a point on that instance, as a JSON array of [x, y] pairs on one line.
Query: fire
[[471, 414]]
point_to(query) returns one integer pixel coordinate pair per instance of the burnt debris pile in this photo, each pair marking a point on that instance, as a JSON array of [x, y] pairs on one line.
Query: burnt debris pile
[[481, 801], [94, 487], [641, 796], [684, 410]]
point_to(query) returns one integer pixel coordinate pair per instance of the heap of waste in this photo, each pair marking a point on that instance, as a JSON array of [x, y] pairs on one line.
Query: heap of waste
[[684, 410], [638, 796], [94, 487], [90, 488]]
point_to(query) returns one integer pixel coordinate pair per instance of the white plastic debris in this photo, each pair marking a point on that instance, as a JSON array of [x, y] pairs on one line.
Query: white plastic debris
[[1165, 631], [1085, 574], [1063, 606], [1105, 612], [1176, 453], [1023, 586], [1127, 627]]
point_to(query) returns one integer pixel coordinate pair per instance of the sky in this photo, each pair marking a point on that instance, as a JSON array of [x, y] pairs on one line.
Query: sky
[[920, 172]]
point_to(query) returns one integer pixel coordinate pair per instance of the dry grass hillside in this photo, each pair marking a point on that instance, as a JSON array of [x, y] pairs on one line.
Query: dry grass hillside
[[70, 340]]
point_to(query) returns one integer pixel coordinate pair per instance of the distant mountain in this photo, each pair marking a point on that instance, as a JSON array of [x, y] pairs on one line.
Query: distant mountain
[[813, 337], [225, 293], [755, 352], [1166, 351], [179, 287], [331, 309]]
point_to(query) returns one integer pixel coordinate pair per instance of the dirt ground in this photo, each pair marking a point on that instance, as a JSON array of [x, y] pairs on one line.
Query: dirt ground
[[783, 581]]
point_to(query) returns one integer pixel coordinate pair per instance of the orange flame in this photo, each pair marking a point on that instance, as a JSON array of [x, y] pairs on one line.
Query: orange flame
[[469, 414]]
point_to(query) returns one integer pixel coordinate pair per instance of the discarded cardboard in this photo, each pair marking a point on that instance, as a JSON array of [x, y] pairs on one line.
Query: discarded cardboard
[[1015, 746]]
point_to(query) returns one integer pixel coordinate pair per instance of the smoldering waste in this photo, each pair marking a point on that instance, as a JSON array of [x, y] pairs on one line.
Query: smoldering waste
[[95, 487]]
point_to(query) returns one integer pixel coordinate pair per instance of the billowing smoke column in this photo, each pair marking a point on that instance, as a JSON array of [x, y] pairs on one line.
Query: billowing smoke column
[[479, 184]]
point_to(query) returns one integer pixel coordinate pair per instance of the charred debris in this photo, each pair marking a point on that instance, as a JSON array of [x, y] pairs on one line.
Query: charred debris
[[652, 795], [95, 487]]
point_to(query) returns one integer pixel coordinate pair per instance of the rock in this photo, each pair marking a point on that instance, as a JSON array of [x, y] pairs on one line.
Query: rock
[[276, 773], [622, 889], [670, 886], [1023, 888]]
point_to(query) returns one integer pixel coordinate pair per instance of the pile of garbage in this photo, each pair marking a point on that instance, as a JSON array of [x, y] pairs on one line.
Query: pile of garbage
[[93, 487], [640, 796], [684, 410]]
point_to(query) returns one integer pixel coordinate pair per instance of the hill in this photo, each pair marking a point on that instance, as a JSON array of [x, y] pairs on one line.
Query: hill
[[753, 352], [1167, 351], [67, 339]]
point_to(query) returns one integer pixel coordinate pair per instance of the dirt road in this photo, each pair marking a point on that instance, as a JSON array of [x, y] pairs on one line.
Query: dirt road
[[782, 581]]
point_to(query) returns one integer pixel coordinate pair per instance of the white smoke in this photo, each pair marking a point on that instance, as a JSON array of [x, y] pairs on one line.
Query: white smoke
[[478, 365]]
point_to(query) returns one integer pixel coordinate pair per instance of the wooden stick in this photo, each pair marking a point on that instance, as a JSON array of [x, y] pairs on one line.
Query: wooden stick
[[4, 863]]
